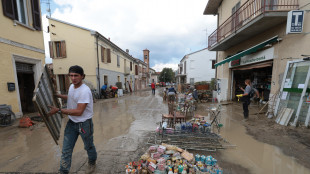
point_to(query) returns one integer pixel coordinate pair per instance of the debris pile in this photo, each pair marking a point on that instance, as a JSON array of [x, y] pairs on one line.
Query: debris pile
[[165, 158]]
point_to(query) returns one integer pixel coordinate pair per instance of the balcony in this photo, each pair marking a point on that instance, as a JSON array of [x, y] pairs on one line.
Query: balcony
[[252, 18]]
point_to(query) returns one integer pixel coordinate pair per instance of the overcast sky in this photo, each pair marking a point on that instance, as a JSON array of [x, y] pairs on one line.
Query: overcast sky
[[170, 29]]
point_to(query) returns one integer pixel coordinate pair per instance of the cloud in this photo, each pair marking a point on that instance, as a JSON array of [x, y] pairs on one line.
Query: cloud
[[169, 29], [159, 66]]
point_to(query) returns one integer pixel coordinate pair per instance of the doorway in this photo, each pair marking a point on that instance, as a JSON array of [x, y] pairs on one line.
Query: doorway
[[26, 85], [260, 80]]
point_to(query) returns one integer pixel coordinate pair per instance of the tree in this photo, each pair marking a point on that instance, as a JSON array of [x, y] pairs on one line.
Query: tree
[[166, 75]]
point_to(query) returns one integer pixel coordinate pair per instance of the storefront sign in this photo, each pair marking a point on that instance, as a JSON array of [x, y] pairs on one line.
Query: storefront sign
[[235, 62], [253, 58], [295, 20]]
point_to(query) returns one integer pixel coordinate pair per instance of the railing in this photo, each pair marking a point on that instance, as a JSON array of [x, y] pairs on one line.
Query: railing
[[246, 13]]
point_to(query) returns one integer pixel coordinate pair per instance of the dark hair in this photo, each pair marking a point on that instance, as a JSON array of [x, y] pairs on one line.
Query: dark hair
[[248, 81], [76, 69]]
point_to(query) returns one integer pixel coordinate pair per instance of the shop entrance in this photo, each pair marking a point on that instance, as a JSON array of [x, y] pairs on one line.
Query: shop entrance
[[260, 78], [25, 77]]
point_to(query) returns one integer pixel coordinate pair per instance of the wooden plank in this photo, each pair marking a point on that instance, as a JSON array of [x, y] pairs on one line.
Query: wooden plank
[[44, 96]]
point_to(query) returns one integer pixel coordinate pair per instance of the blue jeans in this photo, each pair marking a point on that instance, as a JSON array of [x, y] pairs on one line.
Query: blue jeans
[[72, 132]]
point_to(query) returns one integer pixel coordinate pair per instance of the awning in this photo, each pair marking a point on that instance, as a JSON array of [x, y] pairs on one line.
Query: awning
[[248, 51]]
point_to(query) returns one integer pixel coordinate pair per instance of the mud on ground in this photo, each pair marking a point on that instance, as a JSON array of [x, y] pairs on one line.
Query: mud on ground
[[293, 141]]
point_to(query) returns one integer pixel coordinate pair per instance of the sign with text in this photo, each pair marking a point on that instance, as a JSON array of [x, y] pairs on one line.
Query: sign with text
[[253, 58], [295, 21]]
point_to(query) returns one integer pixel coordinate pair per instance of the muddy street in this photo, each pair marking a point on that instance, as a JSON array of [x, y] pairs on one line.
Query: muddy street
[[122, 127], [119, 128]]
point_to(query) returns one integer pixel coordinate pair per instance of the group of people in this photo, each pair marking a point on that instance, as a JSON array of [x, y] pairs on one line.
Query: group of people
[[170, 94], [108, 92]]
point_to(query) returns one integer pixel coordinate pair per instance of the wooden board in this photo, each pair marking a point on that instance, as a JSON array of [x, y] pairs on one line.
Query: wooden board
[[44, 96]]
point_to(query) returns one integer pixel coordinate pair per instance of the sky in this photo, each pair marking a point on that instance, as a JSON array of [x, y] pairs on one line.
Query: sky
[[170, 29]]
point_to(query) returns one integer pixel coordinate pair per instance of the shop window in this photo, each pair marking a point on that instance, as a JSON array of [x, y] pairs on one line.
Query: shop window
[[57, 49], [18, 10]]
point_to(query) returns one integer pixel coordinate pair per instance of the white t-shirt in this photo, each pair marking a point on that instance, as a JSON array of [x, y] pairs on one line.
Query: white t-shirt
[[81, 94]]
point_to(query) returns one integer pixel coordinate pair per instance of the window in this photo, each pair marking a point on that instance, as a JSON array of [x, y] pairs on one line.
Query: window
[[130, 66], [145, 56], [57, 49], [192, 81], [18, 10], [136, 70], [22, 11], [118, 62], [105, 79], [102, 54], [108, 56], [185, 67], [235, 17], [213, 62], [192, 65]]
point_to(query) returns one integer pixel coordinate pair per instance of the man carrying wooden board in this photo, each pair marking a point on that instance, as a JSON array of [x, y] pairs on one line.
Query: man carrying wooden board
[[80, 113]]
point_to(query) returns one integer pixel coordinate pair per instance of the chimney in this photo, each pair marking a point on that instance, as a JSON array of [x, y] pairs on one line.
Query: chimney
[[127, 51]]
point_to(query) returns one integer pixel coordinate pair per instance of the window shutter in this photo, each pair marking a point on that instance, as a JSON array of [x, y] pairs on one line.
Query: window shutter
[[51, 49], [63, 49], [9, 9], [102, 54], [36, 14], [109, 55], [136, 69], [67, 83]]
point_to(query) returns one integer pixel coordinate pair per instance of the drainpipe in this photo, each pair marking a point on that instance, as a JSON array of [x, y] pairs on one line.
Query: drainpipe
[[216, 57], [98, 75]]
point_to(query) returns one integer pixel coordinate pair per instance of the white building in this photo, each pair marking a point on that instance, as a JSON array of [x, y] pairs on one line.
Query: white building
[[197, 66]]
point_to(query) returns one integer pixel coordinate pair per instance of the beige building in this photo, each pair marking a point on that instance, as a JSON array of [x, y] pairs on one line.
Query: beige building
[[141, 76], [153, 76], [22, 53], [102, 60], [251, 42]]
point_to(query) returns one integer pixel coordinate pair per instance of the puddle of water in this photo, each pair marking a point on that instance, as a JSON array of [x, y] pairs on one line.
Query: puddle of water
[[257, 156]]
